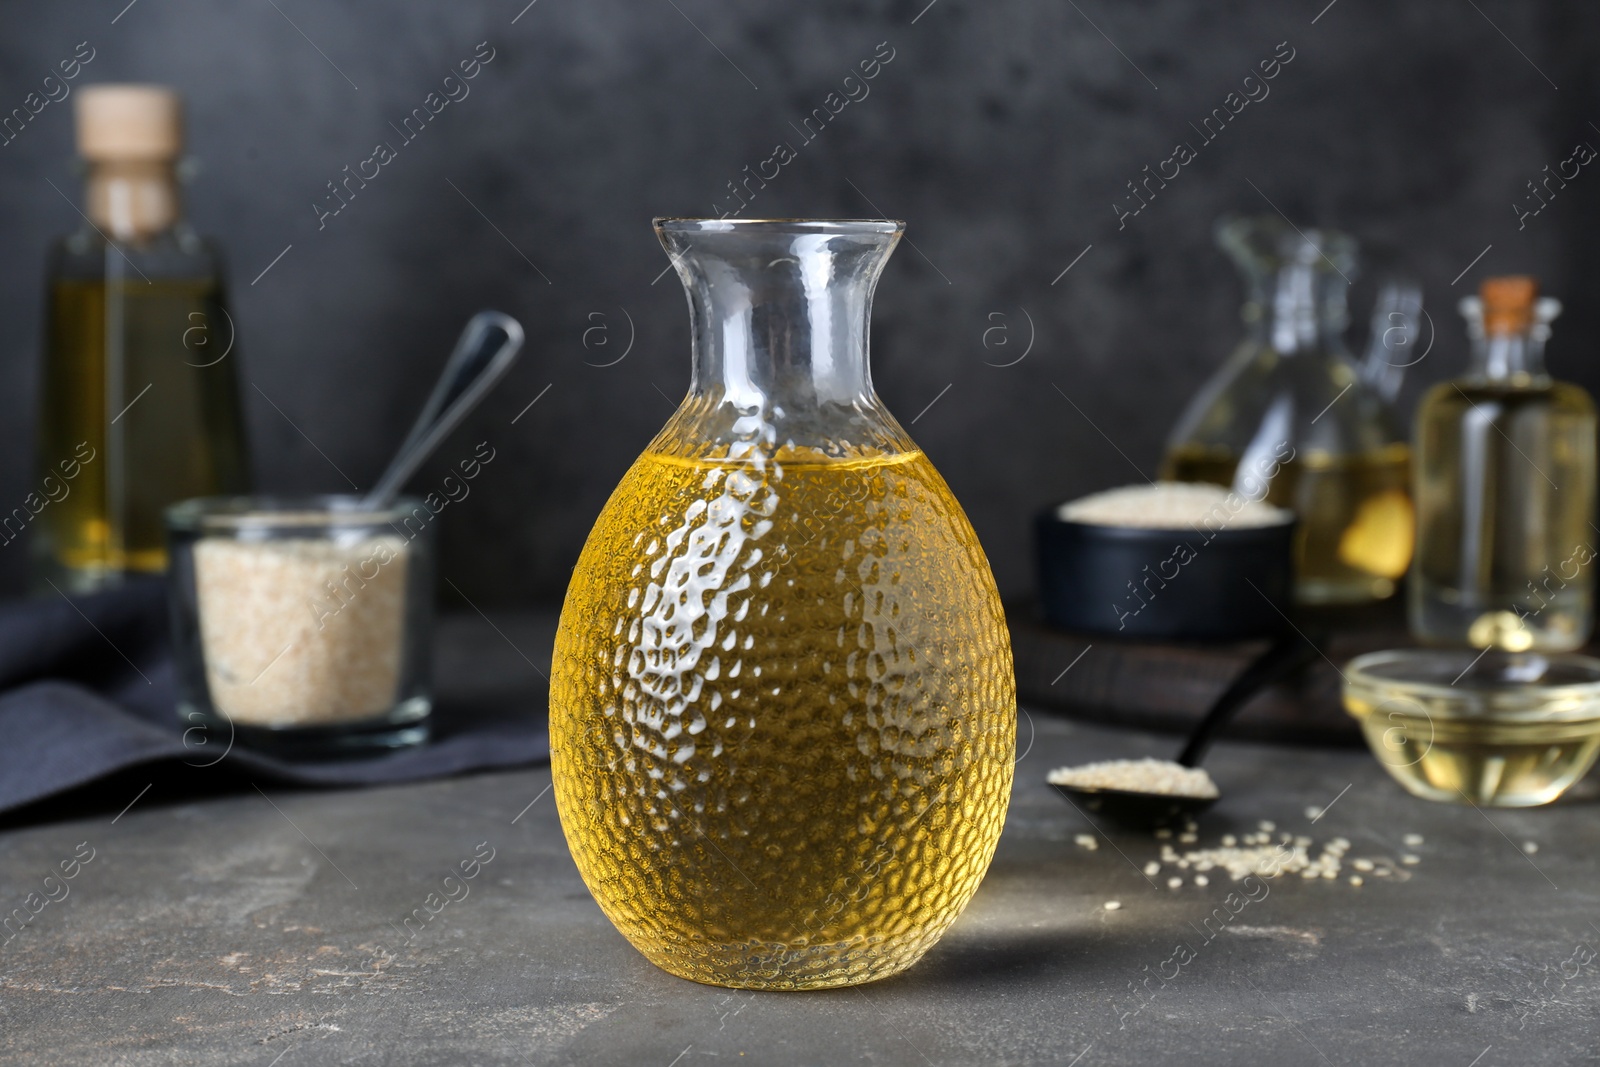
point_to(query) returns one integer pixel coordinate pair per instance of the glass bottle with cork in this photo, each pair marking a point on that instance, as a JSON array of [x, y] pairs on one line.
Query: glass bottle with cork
[[139, 398], [1505, 481]]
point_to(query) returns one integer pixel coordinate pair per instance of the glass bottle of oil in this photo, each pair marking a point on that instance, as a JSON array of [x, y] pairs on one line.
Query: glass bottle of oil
[[140, 405], [1293, 419], [782, 707], [1505, 475]]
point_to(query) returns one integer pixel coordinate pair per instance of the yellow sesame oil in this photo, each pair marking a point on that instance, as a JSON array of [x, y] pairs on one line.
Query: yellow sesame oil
[[1502, 760], [1354, 539], [128, 345], [783, 715]]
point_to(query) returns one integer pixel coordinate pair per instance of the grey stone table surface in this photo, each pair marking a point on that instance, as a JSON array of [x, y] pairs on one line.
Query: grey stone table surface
[[268, 928]]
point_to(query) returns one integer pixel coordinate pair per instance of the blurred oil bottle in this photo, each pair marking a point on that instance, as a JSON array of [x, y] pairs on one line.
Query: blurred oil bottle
[[1295, 419], [140, 401], [1505, 481]]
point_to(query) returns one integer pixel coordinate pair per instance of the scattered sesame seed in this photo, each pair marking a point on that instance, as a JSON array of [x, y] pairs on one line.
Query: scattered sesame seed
[[1087, 841], [1257, 854], [1163, 833], [1113, 905], [1413, 840], [1530, 847], [1267, 826], [1188, 839], [1313, 813], [1356, 879]]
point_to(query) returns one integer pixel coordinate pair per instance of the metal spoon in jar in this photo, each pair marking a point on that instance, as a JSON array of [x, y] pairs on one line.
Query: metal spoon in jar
[[1133, 807], [485, 351]]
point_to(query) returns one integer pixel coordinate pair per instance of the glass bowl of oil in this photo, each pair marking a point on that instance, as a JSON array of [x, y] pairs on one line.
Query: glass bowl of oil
[[1499, 729]]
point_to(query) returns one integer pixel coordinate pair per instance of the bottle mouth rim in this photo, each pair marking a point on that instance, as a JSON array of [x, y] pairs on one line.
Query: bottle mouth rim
[[1271, 242], [675, 224]]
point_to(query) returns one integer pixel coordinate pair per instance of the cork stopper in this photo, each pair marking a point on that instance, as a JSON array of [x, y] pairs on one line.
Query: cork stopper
[[1508, 303], [129, 123]]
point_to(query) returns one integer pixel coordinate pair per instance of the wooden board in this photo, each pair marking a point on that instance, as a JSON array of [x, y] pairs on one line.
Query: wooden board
[[1169, 686]]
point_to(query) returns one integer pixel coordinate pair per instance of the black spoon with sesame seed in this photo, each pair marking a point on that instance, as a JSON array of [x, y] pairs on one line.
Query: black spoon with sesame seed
[[1136, 808]]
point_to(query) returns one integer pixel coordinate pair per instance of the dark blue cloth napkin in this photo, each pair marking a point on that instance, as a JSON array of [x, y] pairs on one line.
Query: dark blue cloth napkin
[[86, 690]]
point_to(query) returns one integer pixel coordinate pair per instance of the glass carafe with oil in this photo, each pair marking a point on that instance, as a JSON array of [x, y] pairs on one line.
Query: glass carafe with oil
[[782, 707], [139, 404], [1292, 418], [1505, 476]]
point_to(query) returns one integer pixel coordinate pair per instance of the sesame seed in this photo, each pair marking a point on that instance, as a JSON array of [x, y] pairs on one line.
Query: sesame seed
[[1256, 854], [337, 667], [1087, 841], [1356, 879], [1113, 905], [1162, 777], [1267, 826], [1313, 813], [1530, 847], [1409, 860], [1413, 840], [1163, 834]]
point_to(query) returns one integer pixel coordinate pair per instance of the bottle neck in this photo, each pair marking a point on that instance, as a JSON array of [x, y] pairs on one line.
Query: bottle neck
[[1508, 356], [132, 200], [1305, 311], [1508, 353], [780, 314]]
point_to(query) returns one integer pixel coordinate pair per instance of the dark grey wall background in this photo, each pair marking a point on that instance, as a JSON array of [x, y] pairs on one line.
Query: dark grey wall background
[[1003, 131]]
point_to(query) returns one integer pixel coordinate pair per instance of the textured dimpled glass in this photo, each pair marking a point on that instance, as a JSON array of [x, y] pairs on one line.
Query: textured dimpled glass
[[783, 714]]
